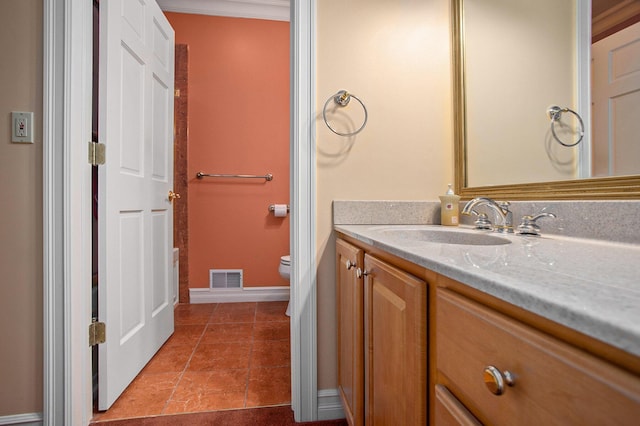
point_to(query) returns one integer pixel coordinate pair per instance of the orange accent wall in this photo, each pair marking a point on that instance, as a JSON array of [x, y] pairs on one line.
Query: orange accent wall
[[238, 124]]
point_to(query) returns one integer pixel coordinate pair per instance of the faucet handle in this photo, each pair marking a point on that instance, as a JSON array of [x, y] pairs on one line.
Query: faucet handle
[[483, 222], [528, 226]]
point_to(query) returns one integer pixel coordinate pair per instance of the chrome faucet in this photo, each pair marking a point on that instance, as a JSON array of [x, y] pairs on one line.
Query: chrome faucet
[[504, 215], [529, 225]]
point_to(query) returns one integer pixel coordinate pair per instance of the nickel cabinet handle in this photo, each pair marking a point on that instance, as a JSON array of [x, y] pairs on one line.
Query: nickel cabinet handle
[[350, 264], [495, 380], [361, 273]]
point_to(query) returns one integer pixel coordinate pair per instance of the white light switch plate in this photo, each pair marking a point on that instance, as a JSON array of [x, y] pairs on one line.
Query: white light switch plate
[[22, 127]]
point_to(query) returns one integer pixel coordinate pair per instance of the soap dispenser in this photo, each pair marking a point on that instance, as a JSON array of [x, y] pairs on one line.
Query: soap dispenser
[[449, 203]]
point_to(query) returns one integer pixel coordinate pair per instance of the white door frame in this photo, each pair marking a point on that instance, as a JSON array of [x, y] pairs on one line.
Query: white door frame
[[53, 293], [67, 211], [583, 65], [304, 389]]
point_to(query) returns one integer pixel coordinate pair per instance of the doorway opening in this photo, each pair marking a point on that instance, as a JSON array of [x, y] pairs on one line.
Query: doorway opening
[[257, 340]]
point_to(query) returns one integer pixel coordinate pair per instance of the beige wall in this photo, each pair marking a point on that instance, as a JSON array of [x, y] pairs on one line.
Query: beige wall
[[21, 215], [393, 55]]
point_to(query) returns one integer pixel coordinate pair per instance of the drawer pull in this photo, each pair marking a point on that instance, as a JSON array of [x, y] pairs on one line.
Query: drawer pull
[[350, 265], [495, 380], [360, 273]]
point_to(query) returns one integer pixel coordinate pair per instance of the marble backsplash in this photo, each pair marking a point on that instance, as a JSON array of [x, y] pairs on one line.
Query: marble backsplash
[[614, 221]]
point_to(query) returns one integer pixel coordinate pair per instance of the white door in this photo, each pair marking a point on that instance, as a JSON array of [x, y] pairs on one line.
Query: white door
[[616, 102], [135, 216]]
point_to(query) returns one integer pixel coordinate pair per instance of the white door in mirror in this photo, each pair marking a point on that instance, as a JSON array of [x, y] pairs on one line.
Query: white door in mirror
[[22, 127], [616, 101]]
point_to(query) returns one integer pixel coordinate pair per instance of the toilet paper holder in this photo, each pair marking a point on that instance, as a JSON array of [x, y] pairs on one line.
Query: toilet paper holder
[[272, 208]]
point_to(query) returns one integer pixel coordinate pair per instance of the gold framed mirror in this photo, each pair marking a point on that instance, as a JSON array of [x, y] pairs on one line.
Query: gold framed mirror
[[614, 187]]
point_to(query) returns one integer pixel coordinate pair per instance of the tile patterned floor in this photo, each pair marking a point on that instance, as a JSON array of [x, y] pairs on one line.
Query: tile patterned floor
[[220, 357]]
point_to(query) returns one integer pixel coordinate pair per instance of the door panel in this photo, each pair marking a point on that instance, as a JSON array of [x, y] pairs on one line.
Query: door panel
[[616, 102], [135, 216]]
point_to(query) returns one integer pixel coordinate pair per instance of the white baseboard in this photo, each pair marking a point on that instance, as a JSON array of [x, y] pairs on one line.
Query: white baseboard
[[246, 294], [28, 419], [329, 405]]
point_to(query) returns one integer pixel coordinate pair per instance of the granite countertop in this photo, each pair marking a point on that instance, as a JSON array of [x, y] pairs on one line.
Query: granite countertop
[[588, 285]]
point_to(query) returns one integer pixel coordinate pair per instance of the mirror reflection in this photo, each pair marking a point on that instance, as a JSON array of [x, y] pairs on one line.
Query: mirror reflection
[[519, 58], [615, 88]]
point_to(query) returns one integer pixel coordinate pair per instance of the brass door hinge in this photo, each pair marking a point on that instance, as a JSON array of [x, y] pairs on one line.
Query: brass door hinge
[[97, 332], [96, 153]]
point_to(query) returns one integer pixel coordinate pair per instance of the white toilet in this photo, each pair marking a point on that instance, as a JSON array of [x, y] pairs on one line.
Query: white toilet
[[285, 272]]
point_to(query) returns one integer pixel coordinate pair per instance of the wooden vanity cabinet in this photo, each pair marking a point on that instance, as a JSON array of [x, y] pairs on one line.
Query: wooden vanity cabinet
[[390, 317], [382, 341]]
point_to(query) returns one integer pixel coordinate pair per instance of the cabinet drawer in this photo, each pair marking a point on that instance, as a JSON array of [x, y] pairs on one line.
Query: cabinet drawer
[[449, 411], [554, 383]]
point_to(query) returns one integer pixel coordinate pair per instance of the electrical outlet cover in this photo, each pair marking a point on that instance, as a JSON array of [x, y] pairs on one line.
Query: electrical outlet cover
[[22, 127]]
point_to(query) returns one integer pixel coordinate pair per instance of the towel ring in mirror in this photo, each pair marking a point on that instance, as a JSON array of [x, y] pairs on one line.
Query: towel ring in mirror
[[555, 112]]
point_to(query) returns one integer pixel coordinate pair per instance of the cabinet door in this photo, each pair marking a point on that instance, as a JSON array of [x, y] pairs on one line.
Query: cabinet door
[[395, 346], [349, 308]]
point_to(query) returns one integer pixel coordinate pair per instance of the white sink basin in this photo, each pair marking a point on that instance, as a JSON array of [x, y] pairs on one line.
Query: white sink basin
[[445, 236]]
